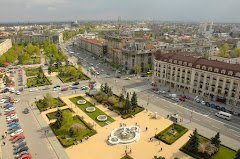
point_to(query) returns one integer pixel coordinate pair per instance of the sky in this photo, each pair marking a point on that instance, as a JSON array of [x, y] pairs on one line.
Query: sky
[[163, 10]]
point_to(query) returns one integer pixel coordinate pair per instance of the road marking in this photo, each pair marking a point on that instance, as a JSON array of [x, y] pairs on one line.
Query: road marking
[[236, 135], [234, 130], [215, 127], [196, 119]]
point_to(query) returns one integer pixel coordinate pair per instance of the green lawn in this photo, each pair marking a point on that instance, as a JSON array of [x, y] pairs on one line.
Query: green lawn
[[67, 79], [94, 114], [126, 157], [171, 133], [56, 103], [32, 71], [32, 82], [66, 140], [52, 115], [223, 153]]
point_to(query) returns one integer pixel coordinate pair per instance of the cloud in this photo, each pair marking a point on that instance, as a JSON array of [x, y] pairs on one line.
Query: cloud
[[52, 8]]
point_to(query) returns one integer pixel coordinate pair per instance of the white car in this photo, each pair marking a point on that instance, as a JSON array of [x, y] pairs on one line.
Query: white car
[[18, 93], [12, 117], [2, 101], [30, 90], [9, 109], [19, 131], [203, 102], [97, 73], [127, 78]]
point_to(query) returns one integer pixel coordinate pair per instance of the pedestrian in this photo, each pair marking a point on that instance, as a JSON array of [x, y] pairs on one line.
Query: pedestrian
[[2, 136], [161, 148], [126, 152], [130, 151], [5, 133], [146, 128], [159, 142], [136, 123], [4, 143]]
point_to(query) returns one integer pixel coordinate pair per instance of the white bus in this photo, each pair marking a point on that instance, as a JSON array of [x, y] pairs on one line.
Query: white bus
[[224, 115]]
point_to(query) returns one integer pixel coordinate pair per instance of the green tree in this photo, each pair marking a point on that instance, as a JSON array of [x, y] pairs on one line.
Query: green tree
[[134, 100], [121, 98], [224, 50], [137, 69], [237, 52], [216, 140], [49, 69], [237, 156], [193, 142], [102, 88], [49, 100], [75, 129], [127, 104]]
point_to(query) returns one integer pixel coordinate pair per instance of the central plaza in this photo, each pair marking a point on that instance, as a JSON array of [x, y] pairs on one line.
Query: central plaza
[[97, 146]]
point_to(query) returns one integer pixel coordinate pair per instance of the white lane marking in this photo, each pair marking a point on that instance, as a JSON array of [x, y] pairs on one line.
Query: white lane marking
[[215, 127], [236, 135]]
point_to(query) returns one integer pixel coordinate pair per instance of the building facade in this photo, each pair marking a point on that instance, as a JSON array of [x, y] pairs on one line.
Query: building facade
[[5, 45], [210, 79], [94, 46]]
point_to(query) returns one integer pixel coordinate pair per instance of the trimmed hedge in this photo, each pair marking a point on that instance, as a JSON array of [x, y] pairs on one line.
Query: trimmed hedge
[[172, 138], [57, 103]]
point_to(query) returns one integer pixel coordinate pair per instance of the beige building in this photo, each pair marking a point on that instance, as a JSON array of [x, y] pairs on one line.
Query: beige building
[[5, 45], [214, 80], [94, 46]]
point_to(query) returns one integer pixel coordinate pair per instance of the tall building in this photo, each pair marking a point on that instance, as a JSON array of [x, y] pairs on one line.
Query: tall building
[[212, 80], [206, 29], [5, 44]]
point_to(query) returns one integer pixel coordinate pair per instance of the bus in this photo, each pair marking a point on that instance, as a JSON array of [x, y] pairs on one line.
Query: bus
[[223, 115]]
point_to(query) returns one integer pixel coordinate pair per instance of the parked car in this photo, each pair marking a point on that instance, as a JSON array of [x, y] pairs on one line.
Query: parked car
[[64, 89], [8, 106], [21, 154], [21, 144], [18, 142], [127, 78], [46, 88], [15, 138], [18, 92], [13, 123], [25, 156], [13, 120], [9, 109], [9, 114], [25, 148], [2, 101], [19, 131]]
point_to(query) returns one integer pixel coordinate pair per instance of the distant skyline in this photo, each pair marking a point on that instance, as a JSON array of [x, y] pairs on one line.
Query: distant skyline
[[163, 10]]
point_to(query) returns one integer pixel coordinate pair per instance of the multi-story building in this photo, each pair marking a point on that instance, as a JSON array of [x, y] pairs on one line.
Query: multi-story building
[[5, 44], [214, 80], [94, 46], [137, 53]]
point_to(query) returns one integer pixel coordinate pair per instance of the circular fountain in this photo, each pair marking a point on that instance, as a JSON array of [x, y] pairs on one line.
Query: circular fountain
[[102, 118], [124, 135], [90, 109], [81, 101]]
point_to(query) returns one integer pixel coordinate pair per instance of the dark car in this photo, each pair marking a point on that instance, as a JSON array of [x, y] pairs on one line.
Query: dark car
[[24, 148], [26, 111], [75, 83], [21, 144]]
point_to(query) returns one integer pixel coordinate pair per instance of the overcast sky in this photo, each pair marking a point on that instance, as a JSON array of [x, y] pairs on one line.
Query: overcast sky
[[165, 10]]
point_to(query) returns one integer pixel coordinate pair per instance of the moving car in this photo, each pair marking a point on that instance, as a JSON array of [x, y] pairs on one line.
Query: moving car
[[18, 93], [84, 87], [223, 115], [75, 83], [127, 78]]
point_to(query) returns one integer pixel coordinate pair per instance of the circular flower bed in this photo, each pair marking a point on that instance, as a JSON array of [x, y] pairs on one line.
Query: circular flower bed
[[102, 118], [81, 101], [90, 109]]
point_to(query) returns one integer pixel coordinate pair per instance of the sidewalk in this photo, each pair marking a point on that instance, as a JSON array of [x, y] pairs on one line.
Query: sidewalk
[[53, 141]]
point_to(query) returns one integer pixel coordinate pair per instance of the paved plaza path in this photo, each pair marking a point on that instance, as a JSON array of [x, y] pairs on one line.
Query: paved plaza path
[[97, 147]]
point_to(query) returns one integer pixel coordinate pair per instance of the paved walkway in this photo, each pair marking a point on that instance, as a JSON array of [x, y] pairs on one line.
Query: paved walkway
[[57, 147], [98, 147]]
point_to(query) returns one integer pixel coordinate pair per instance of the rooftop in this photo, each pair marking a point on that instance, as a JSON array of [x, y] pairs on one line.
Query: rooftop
[[93, 41]]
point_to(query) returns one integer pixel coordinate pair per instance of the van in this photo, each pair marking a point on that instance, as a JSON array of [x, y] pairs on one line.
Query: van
[[224, 115]]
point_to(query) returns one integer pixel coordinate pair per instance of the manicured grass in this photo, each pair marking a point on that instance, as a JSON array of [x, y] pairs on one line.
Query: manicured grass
[[126, 157], [94, 114], [171, 133], [223, 153], [32, 82], [52, 115], [32, 71], [67, 79], [66, 140], [56, 103]]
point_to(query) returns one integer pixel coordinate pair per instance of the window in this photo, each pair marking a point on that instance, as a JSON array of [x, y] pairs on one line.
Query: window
[[190, 64], [209, 68], [170, 60], [223, 71], [204, 67], [179, 62], [185, 63], [230, 73], [237, 74], [175, 61], [198, 66], [216, 70]]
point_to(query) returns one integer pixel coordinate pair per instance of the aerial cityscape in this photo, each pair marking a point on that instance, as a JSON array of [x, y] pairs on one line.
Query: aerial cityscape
[[131, 79]]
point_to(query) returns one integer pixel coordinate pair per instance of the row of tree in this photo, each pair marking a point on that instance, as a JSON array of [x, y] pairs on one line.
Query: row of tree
[[224, 51]]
